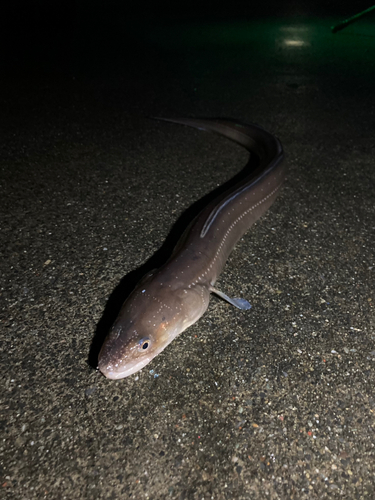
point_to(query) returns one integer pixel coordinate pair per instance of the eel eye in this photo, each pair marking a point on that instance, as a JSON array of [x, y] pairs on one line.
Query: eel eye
[[144, 344]]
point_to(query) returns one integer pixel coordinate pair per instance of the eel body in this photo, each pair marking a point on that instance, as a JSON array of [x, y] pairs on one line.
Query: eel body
[[173, 297]]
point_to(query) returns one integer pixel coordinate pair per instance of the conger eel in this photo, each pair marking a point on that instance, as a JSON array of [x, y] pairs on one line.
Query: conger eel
[[170, 299]]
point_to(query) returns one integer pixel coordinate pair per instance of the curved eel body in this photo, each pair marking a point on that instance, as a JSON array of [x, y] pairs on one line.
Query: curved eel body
[[173, 297]]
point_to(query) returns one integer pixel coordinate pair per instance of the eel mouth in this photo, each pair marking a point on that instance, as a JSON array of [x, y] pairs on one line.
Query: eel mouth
[[116, 371]]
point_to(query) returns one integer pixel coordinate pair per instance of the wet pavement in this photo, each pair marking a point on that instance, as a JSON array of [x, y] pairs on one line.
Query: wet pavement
[[276, 402]]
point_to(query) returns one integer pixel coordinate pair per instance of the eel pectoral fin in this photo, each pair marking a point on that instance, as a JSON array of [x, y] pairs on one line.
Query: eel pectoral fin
[[237, 302]]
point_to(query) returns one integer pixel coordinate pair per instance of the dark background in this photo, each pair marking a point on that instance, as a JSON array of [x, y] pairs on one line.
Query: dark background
[[60, 36]]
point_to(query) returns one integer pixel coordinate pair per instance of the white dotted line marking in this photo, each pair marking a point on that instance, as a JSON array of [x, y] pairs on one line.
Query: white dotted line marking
[[228, 231]]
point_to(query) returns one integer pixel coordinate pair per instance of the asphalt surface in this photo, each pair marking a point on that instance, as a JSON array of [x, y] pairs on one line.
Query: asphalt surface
[[277, 402]]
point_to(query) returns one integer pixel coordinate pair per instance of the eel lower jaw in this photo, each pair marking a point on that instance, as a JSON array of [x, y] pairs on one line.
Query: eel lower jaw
[[115, 372]]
